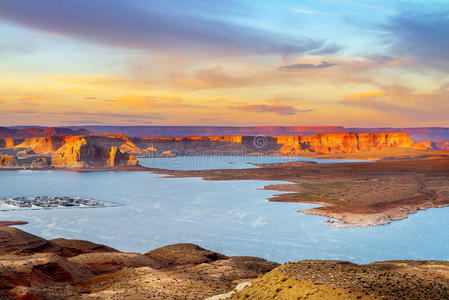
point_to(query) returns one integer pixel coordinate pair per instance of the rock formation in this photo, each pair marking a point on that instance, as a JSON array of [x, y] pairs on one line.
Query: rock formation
[[6, 143], [40, 162], [42, 145], [85, 152], [345, 142], [9, 161], [113, 151]]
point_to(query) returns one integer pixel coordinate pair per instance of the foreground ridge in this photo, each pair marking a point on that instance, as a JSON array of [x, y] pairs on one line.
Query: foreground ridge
[[35, 268]]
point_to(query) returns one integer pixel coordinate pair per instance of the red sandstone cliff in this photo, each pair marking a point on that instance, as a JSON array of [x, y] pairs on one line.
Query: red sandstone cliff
[[345, 142], [84, 152], [110, 151]]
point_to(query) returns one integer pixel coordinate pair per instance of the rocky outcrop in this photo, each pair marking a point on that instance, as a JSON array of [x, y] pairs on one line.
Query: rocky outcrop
[[9, 161], [40, 162], [85, 152], [43, 145], [35, 268], [6, 143]]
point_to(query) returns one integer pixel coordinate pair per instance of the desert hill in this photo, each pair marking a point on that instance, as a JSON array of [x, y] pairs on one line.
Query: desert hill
[[35, 268]]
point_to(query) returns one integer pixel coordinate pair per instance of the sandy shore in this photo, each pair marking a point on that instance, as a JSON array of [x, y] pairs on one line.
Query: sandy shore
[[11, 223]]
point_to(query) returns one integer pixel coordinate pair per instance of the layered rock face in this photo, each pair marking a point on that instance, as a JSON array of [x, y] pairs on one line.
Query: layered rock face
[[84, 152], [284, 145], [109, 150], [43, 145], [346, 142]]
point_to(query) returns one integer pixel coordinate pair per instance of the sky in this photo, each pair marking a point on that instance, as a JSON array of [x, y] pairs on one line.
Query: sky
[[351, 63]]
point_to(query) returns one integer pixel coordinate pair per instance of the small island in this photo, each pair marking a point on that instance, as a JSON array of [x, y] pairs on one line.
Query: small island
[[50, 202]]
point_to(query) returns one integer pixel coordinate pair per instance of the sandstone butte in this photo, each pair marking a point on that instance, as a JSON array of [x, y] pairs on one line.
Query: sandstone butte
[[78, 152], [113, 151]]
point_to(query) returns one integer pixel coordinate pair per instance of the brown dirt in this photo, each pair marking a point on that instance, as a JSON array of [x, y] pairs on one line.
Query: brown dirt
[[345, 280], [35, 268]]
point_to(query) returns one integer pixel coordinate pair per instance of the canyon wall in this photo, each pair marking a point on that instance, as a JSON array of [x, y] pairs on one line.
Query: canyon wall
[[113, 151]]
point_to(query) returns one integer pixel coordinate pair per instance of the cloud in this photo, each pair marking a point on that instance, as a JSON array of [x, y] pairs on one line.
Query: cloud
[[299, 67], [16, 111], [139, 116], [280, 109], [155, 25], [313, 12], [367, 95], [84, 79], [420, 32], [404, 103]]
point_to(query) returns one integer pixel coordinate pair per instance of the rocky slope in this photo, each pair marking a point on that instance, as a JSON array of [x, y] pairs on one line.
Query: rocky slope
[[35, 268], [344, 280]]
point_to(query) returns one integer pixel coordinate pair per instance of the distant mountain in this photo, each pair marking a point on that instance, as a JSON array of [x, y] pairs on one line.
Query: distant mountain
[[182, 131], [23, 131], [417, 134]]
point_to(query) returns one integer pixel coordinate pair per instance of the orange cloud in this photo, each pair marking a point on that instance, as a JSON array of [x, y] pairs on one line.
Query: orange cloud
[[136, 101], [280, 109], [84, 79], [367, 95]]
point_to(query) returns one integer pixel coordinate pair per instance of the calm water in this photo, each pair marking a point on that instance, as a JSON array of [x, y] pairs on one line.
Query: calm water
[[232, 217], [226, 162]]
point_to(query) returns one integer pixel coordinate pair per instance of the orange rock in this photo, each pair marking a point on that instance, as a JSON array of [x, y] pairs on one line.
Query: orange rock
[[82, 152], [345, 142], [8, 161]]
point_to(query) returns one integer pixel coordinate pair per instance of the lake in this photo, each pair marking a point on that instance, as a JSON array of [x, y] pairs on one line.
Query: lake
[[231, 217]]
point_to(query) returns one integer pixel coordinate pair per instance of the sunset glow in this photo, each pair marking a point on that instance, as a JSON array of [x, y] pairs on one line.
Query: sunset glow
[[327, 62]]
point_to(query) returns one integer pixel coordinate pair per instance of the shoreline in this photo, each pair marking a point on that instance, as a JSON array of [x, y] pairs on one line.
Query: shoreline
[[340, 193], [345, 212]]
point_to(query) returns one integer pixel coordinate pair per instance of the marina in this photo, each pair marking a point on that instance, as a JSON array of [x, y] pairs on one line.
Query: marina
[[50, 202]]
